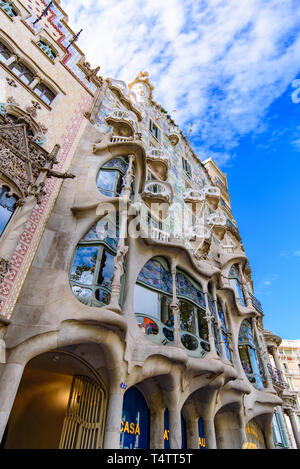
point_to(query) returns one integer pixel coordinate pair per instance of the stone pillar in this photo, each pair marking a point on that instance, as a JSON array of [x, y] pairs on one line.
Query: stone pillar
[[291, 415], [175, 307], [113, 420], [192, 432], [13, 58], [274, 353], [268, 434], [175, 428], [209, 432], [157, 428], [10, 377]]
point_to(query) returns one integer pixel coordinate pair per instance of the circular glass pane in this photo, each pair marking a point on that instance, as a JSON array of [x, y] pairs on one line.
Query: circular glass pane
[[189, 342], [205, 346], [168, 334]]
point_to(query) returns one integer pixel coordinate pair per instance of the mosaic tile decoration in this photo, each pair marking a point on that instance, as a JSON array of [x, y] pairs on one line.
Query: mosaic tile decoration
[[34, 228]]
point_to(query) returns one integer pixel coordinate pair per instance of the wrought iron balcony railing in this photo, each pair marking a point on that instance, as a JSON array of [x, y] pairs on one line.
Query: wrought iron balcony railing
[[276, 376]]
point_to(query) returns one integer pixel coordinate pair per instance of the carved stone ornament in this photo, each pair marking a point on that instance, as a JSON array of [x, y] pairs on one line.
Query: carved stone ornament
[[4, 267], [22, 161], [90, 74]]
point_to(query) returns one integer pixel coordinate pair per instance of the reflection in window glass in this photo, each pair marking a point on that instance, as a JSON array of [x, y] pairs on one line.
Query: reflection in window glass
[[44, 93], [8, 204], [93, 263], [21, 71], [4, 53], [110, 179]]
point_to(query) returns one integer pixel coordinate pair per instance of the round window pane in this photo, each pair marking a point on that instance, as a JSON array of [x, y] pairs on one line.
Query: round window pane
[[189, 342], [205, 346], [168, 334]]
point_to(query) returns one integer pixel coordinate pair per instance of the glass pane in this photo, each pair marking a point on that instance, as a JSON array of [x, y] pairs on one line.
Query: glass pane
[[105, 230], [156, 276], [83, 294], [189, 342], [106, 182], [191, 290], [117, 163], [202, 325], [245, 359], [7, 207], [187, 317], [103, 296], [146, 302], [106, 271], [83, 268], [168, 334], [4, 53], [147, 326]]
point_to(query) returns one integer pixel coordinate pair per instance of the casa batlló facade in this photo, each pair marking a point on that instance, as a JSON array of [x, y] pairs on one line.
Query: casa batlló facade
[[128, 317]]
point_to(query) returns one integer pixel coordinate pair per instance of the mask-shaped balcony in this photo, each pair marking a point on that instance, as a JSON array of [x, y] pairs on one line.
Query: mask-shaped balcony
[[192, 195], [212, 194], [159, 162], [174, 136], [217, 223], [158, 192], [124, 123]]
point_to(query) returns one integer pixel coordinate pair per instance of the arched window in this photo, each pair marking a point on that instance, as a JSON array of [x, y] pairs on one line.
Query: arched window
[[8, 8], [110, 179], [5, 53], [235, 282], [23, 72], [44, 93], [93, 264], [249, 355], [193, 325], [8, 205], [47, 49], [152, 298]]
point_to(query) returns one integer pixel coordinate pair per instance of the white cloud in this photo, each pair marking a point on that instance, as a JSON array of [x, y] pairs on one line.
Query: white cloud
[[296, 253], [220, 64]]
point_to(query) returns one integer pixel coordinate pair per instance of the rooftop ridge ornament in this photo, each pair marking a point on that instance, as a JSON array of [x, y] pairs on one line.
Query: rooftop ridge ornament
[[44, 13], [75, 38]]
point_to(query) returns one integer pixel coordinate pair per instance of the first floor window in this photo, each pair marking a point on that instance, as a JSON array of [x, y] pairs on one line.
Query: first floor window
[[8, 204], [23, 72], [44, 93]]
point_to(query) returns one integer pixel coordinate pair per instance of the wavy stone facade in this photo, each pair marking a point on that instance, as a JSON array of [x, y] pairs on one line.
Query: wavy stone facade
[[137, 324]]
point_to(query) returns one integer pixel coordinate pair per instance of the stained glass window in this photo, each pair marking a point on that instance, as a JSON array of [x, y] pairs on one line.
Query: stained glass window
[[155, 274], [93, 265], [187, 288], [235, 282], [110, 179], [8, 204]]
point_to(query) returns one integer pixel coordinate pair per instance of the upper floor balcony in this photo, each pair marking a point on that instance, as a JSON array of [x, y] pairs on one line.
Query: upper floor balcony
[[193, 195], [256, 303], [233, 229], [174, 135], [158, 192], [123, 122], [276, 376], [212, 194], [217, 223], [158, 160]]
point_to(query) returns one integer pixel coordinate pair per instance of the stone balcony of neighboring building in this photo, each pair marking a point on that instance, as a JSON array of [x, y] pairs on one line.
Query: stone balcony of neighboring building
[[158, 160], [228, 252], [230, 226], [277, 377]]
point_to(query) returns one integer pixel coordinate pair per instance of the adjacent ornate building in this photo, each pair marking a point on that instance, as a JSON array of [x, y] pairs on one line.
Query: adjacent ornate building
[[128, 317]]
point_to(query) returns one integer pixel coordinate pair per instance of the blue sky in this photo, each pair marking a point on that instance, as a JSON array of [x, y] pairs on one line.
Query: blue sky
[[227, 67]]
